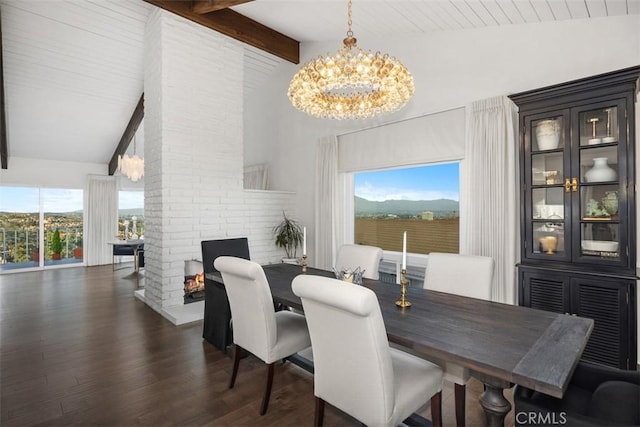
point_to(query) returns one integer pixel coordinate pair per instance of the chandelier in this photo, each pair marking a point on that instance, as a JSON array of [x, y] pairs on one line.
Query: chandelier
[[352, 84], [131, 167]]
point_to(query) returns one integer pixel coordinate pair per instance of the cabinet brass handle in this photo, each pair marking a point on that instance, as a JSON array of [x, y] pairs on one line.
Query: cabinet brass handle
[[567, 185], [574, 184]]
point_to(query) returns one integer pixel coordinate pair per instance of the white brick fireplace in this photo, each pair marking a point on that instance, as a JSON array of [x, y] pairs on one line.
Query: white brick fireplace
[[193, 90]]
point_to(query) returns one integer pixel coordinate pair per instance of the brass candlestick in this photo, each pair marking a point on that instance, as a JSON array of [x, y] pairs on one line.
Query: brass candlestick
[[304, 263], [402, 302], [593, 122]]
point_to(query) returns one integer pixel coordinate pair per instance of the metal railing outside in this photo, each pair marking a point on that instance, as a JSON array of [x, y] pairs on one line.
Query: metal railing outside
[[22, 246]]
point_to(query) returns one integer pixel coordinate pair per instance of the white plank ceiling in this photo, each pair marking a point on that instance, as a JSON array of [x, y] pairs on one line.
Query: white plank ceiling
[[73, 69]]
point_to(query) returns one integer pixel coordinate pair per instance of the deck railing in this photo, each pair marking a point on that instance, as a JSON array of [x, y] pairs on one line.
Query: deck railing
[[22, 246]]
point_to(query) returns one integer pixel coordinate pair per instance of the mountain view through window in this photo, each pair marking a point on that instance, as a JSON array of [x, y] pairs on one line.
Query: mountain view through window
[[423, 201]]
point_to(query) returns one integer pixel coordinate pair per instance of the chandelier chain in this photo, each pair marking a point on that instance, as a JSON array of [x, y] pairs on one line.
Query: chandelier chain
[[349, 21]]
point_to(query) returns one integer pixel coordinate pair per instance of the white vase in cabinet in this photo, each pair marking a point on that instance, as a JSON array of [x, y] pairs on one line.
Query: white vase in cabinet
[[548, 134], [601, 171]]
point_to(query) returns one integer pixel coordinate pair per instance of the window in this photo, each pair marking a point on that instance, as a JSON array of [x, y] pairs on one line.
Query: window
[[130, 214], [423, 201], [40, 227]]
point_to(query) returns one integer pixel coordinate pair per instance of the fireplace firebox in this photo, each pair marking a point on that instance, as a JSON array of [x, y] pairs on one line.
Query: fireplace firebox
[[193, 281]]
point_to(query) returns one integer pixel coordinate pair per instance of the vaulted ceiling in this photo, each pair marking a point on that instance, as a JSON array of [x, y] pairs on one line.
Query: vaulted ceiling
[[73, 70]]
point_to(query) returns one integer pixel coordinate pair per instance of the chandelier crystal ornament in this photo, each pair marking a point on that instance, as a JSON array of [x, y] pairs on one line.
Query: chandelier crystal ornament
[[352, 84], [131, 167]]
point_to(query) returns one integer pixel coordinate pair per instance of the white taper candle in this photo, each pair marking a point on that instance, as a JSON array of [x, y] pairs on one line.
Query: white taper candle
[[404, 251], [304, 240]]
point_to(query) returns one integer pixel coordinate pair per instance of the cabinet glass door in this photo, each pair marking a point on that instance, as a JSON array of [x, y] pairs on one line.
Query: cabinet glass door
[[600, 182], [546, 216]]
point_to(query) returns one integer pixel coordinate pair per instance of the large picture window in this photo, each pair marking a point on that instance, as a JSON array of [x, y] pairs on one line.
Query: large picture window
[[423, 201]]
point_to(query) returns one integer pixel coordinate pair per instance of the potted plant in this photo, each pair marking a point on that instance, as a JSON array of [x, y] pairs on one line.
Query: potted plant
[[77, 251], [288, 236], [35, 255], [56, 245]]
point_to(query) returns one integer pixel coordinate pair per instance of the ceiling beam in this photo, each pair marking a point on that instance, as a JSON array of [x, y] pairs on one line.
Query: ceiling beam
[[4, 149], [127, 135], [239, 27], [206, 6]]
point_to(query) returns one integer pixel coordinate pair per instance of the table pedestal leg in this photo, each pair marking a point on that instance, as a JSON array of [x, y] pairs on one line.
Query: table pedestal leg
[[495, 406]]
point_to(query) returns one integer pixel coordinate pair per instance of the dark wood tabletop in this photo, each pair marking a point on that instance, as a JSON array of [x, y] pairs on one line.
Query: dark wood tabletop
[[501, 344]]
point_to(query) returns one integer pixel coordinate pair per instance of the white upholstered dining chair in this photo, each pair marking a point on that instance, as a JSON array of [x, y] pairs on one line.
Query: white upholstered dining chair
[[355, 370], [465, 275], [257, 327], [363, 256]]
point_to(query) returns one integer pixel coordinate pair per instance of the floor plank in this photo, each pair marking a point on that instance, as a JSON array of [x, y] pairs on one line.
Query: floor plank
[[77, 348]]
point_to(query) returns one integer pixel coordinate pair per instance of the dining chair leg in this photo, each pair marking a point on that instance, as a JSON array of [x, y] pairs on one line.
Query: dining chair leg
[[460, 392], [267, 391], [436, 409], [237, 354], [319, 416]]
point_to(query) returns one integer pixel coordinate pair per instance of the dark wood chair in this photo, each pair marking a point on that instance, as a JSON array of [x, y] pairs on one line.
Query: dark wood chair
[[597, 396]]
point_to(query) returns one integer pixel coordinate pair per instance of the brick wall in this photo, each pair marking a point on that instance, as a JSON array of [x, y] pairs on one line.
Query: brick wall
[[194, 155]]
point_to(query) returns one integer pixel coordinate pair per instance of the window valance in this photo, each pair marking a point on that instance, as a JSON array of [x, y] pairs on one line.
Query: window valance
[[433, 138]]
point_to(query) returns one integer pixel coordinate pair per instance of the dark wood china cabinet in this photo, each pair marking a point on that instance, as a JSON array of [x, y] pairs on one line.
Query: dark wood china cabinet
[[578, 208]]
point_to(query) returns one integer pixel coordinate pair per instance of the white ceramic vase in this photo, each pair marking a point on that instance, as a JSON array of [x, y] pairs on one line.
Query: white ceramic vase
[[548, 134], [600, 171]]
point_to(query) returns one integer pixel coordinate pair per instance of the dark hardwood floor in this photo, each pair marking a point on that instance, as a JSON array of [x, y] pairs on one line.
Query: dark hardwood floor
[[77, 348]]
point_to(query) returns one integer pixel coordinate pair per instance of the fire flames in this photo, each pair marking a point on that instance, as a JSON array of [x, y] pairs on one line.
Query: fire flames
[[194, 285]]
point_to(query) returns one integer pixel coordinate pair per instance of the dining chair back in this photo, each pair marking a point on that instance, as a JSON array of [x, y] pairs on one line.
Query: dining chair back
[[121, 250], [465, 275], [363, 256], [216, 325], [212, 249], [355, 370], [257, 327]]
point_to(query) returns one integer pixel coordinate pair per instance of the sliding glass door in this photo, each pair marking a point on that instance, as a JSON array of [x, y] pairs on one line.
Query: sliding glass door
[[40, 227], [62, 225], [19, 228]]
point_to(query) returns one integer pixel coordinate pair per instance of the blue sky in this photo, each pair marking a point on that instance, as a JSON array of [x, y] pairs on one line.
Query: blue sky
[[417, 183], [25, 199]]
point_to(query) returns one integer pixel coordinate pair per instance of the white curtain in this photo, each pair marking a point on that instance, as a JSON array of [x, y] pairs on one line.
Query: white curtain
[[490, 205], [327, 203], [101, 224], [256, 177]]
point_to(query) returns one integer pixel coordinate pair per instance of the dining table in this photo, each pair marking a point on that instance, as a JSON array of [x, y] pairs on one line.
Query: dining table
[[501, 344]]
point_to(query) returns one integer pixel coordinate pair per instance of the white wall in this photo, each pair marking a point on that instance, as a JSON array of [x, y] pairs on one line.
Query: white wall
[[23, 172], [450, 69]]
